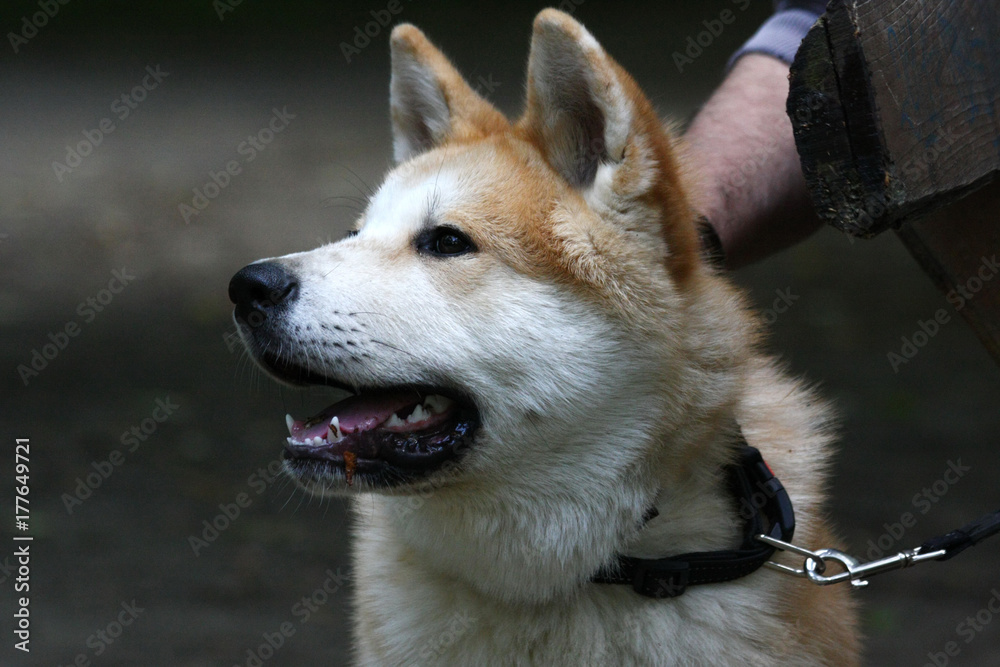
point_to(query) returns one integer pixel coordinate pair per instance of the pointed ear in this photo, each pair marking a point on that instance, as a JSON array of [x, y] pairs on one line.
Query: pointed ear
[[580, 103], [596, 128], [431, 103]]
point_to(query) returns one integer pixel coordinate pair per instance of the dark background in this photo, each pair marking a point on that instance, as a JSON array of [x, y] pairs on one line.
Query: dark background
[[166, 334]]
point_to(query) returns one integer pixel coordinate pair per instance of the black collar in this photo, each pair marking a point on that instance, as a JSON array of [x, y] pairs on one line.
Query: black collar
[[764, 506]]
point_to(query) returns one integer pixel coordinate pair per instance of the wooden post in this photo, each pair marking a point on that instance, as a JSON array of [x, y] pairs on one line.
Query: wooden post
[[894, 105]]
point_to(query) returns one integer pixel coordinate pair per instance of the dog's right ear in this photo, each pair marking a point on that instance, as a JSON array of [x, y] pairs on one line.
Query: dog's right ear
[[431, 103]]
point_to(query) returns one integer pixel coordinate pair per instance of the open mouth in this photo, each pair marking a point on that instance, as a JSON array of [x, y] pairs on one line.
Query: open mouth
[[388, 436]]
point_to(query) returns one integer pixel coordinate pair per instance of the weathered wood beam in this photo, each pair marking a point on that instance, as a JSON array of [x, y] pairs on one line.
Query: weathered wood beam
[[894, 108]]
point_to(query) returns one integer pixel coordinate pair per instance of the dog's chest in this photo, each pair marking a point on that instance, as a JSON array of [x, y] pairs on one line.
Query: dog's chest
[[406, 613]]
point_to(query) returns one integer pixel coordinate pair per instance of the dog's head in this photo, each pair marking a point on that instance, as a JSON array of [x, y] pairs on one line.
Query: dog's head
[[515, 297]]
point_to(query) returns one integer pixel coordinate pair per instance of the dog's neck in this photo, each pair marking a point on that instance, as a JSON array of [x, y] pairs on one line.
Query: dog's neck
[[538, 544], [694, 508]]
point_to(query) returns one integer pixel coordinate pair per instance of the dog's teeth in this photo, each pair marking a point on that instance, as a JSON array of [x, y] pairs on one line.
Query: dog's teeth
[[394, 421], [290, 441], [418, 415], [289, 422], [334, 434], [437, 404]]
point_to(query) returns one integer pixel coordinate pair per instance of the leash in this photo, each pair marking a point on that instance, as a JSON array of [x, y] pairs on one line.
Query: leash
[[942, 547], [768, 526]]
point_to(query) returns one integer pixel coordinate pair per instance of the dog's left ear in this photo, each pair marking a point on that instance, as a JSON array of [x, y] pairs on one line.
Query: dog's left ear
[[431, 103], [577, 106], [597, 129]]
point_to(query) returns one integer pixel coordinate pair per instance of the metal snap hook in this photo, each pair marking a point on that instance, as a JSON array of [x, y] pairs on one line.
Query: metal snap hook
[[815, 567]]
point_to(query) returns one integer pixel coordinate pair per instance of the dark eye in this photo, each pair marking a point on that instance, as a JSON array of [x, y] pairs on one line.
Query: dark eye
[[351, 233], [444, 242]]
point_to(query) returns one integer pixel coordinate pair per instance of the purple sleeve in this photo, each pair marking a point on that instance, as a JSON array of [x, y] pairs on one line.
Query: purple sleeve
[[781, 34]]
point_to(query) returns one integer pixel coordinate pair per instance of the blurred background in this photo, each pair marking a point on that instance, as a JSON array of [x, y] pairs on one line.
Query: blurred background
[[148, 425]]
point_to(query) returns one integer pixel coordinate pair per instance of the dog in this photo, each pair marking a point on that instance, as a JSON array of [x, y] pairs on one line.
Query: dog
[[549, 388]]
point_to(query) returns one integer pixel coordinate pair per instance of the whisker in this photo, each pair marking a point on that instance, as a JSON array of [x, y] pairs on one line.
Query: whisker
[[368, 192], [393, 347]]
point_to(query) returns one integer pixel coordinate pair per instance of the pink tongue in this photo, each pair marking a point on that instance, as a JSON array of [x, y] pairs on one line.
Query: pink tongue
[[357, 413]]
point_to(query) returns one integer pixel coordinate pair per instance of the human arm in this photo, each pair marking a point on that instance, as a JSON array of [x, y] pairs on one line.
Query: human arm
[[752, 189]]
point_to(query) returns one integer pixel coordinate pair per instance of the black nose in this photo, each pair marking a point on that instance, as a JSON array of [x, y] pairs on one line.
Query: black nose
[[260, 290]]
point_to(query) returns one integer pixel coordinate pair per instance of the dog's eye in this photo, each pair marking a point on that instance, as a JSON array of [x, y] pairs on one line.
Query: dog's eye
[[444, 242]]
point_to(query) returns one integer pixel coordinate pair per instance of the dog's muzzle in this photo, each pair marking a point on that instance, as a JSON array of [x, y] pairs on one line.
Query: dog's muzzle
[[382, 436]]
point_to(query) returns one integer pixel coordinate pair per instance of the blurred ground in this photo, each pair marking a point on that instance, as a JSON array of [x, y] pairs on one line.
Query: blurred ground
[[165, 336]]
